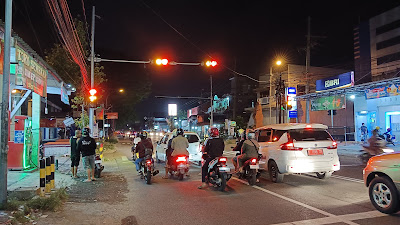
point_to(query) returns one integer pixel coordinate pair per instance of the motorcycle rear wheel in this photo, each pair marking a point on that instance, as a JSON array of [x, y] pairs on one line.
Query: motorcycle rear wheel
[[252, 179], [148, 177], [223, 182], [180, 176]]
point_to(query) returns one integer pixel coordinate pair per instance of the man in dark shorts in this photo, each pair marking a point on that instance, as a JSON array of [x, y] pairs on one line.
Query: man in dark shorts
[[75, 155], [87, 147]]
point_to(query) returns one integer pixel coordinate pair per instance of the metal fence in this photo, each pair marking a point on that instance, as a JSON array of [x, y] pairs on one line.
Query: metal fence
[[342, 133]]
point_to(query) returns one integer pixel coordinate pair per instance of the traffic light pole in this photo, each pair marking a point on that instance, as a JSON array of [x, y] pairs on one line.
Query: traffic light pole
[[4, 105], [91, 110], [212, 104]]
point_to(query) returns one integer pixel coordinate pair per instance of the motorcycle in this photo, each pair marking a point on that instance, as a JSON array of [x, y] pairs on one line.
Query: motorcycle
[[251, 170], [389, 138], [98, 167], [370, 151], [218, 173], [147, 170], [179, 166]]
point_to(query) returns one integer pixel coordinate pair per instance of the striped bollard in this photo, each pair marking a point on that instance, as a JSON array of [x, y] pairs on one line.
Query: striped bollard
[[48, 175], [42, 177], [52, 170]]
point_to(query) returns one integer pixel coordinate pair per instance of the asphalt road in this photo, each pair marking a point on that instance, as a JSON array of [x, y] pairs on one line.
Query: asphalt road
[[300, 199]]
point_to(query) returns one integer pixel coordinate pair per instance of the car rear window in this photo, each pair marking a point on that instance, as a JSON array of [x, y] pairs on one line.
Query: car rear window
[[277, 134], [309, 135], [192, 138]]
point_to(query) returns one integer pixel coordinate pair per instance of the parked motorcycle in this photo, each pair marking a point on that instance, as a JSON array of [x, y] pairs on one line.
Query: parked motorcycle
[[179, 166], [218, 173], [98, 167], [389, 138], [148, 170], [251, 170]]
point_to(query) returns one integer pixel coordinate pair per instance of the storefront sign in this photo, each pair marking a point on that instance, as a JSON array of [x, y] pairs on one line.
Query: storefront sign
[[339, 81], [31, 73], [382, 91], [112, 115], [19, 137], [329, 103], [64, 95], [293, 114]]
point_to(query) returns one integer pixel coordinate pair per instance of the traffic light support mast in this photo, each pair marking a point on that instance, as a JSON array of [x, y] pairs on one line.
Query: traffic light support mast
[[91, 109]]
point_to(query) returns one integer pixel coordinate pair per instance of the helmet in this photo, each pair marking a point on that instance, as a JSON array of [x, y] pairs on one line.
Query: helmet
[[86, 131], [179, 132], [251, 134], [389, 129], [377, 128], [143, 135], [214, 132]]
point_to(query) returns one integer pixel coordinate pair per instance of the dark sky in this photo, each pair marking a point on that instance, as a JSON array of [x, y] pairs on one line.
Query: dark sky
[[249, 34]]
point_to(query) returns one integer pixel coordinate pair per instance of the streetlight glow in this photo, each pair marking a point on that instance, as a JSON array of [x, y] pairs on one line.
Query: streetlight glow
[[121, 90], [279, 62], [14, 91]]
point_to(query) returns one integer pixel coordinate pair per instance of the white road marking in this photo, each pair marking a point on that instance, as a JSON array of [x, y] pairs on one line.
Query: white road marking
[[330, 218], [348, 179]]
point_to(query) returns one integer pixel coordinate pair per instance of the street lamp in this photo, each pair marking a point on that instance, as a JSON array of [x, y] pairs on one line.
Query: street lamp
[[121, 90], [278, 63]]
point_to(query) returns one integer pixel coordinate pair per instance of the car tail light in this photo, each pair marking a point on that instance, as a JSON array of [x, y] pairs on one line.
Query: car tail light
[[333, 146], [181, 159], [222, 160], [290, 147], [253, 161]]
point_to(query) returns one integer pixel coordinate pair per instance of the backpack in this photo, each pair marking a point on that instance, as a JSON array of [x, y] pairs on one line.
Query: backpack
[[148, 152]]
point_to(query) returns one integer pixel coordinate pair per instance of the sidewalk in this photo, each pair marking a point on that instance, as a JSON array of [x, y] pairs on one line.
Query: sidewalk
[[20, 180], [353, 148]]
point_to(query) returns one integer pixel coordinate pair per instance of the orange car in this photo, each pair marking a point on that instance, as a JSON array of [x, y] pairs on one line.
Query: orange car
[[382, 176]]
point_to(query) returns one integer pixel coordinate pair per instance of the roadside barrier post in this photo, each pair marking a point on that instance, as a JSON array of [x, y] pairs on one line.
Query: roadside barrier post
[[48, 175], [42, 177], [52, 170]]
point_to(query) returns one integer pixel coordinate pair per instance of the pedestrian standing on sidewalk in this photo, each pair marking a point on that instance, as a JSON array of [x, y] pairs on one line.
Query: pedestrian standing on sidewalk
[[75, 156], [87, 147], [364, 133]]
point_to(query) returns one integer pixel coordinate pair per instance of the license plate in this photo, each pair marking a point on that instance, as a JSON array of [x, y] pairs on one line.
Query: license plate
[[97, 161], [224, 169], [315, 152], [254, 166]]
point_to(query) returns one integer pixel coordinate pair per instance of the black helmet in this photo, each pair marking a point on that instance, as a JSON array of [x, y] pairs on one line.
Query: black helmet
[[86, 131], [179, 132], [143, 135]]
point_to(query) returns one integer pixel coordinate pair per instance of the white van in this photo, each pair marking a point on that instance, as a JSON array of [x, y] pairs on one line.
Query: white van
[[297, 148], [195, 152]]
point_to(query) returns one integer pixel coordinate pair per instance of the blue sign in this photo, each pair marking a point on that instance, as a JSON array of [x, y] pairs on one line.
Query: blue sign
[[19, 137], [340, 81], [293, 114], [291, 90]]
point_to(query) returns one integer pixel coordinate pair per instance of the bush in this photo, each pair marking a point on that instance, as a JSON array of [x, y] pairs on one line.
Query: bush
[[107, 146], [51, 203]]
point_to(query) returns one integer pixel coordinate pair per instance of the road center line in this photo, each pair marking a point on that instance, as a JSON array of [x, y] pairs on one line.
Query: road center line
[[330, 216], [348, 179]]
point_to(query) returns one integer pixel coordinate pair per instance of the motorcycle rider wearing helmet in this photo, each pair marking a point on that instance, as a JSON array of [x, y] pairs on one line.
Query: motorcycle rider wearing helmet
[[168, 153], [374, 147], [145, 143], [213, 148], [249, 150]]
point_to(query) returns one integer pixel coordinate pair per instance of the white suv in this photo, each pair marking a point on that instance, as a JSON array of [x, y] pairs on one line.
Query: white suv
[[297, 148], [194, 149]]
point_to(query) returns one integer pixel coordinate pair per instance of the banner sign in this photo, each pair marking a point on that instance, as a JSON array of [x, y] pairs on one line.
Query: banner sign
[[328, 103], [336, 82], [64, 95], [382, 91], [32, 74], [112, 115]]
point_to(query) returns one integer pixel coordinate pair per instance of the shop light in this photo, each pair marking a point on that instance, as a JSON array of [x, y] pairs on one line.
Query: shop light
[[363, 112], [352, 96]]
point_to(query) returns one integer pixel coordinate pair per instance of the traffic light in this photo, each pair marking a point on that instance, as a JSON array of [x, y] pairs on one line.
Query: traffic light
[[329, 112], [92, 96], [163, 62], [211, 63]]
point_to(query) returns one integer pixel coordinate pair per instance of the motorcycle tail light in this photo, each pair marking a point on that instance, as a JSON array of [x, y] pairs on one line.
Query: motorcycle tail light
[[253, 161], [222, 160], [181, 159], [148, 162]]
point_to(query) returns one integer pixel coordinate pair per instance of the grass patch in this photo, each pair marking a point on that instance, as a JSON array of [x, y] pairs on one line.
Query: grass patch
[[108, 146], [51, 203], [112, 140]]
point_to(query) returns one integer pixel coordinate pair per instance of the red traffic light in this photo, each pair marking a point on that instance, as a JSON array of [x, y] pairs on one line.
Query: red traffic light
[[211, 63], [92, 91], [163, 62]]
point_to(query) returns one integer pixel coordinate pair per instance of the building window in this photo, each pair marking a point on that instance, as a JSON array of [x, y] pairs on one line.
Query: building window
[[388, 58], [388, 43], [388, 27]]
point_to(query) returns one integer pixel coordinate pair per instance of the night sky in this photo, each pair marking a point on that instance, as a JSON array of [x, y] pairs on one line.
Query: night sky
[[246, 35]]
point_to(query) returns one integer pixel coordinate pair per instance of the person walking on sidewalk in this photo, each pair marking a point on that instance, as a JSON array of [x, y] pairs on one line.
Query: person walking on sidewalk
[[364, 133], [75, 156], [87, 146]]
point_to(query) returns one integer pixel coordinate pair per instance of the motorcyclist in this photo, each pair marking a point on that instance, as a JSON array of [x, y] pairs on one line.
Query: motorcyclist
[[249, 150], [136, 140], [213, 148], [375, 144], [142, 147], [168, 153], [238, 148], [180, 144]]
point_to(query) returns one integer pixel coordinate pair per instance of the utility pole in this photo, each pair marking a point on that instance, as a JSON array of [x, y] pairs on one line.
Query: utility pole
[[212, 103], [4, 105], [92, 56], [235, 100], [308, 68], [280, 87], [270, 96]]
